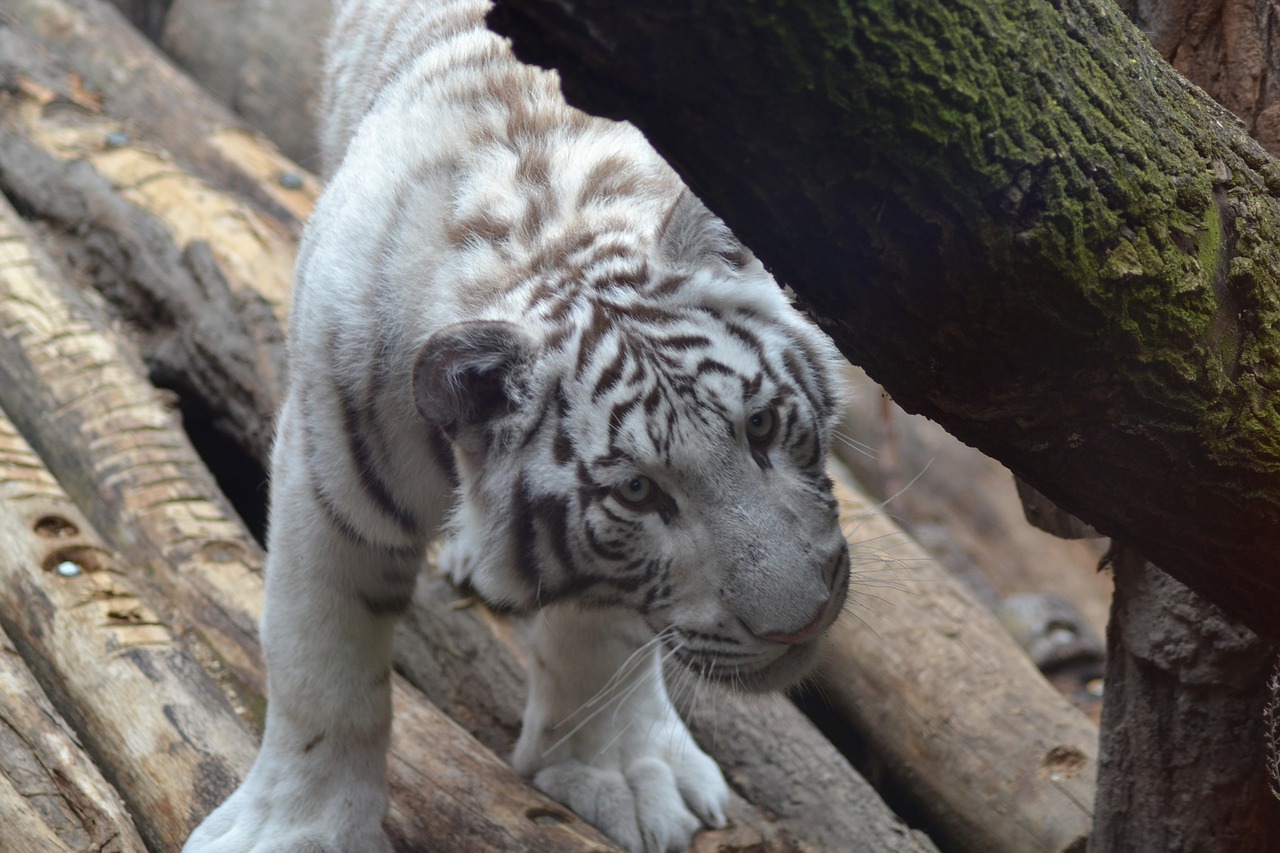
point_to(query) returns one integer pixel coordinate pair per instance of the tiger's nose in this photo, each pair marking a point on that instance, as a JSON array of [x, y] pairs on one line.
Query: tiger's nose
[[804, 633]]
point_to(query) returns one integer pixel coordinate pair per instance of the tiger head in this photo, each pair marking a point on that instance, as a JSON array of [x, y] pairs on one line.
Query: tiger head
[[657, 442]]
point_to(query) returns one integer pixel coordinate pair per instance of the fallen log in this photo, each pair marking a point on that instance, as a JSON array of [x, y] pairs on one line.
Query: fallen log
[[954, 714], [964, 509], [105, 433], [52, 795]]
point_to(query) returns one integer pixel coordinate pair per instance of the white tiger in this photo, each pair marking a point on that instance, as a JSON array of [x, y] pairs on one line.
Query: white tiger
[[514, 328]]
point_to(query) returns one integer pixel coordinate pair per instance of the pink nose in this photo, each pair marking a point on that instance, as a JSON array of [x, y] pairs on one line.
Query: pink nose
[[803, 634]]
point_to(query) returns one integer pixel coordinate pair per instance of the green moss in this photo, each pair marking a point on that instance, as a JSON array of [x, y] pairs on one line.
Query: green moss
[[1208, 245], [1081, 179]]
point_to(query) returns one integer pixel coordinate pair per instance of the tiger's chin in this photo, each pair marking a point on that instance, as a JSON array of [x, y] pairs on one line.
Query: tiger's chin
[[778, 673]]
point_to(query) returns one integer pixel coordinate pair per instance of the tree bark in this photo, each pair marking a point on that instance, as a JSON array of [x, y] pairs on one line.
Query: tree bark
[[1228, 47], [1181, 756], [1016, 217]]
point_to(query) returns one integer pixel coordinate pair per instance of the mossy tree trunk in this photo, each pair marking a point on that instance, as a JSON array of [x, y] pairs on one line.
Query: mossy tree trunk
[[1017, 217]]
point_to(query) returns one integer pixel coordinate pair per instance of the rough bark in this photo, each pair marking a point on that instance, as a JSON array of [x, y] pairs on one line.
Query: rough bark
[[1183, 738], [1227, 47], [950, 711], [1017, 217]]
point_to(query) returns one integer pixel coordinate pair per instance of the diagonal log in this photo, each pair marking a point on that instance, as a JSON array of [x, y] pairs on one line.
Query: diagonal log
[[954, 714], [146, 711]]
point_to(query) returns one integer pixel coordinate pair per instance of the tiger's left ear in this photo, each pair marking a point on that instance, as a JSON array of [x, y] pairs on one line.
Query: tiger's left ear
[[469, 374], [691, 235]]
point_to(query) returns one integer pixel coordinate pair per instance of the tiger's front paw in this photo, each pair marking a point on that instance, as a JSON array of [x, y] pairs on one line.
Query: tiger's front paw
[[280, 810], [649, 790]]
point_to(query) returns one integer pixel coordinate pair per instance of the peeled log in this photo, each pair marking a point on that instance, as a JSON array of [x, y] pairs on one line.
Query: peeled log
[[140, 701], [953, 711], [166, 246]]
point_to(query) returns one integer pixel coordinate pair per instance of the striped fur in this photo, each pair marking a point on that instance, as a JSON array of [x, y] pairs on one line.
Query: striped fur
[[513, 328]]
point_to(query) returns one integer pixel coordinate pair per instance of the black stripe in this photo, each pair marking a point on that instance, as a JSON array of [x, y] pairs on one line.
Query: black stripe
[[357, 428], [611, 374]]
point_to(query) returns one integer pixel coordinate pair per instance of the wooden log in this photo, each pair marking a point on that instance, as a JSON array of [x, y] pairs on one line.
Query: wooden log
[[164, 246], [261, 58], [139, 701], [106, 434], [951, 711], [52, 795], [136, 84], [1182, 723]]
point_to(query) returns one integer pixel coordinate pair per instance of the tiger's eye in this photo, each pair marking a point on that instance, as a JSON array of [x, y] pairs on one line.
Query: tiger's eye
[[761, 425], [636, 492]]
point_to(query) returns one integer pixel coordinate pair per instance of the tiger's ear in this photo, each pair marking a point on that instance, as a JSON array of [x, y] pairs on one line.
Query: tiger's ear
[[468, 374], [691, 235]]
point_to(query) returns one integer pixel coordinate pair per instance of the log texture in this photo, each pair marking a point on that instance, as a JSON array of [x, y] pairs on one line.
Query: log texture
[[159, 241], [151, 717], [139, 87], [1017, 217], [52, 795], [948, 708]]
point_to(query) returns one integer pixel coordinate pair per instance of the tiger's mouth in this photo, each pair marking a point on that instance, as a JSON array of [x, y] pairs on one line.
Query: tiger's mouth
[[762, 666]]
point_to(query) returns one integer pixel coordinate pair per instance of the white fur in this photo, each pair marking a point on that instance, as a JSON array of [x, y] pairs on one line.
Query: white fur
[[487, 264]]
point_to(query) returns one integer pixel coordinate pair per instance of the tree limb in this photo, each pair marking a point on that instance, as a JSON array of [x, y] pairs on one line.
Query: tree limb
[[1016, 217]]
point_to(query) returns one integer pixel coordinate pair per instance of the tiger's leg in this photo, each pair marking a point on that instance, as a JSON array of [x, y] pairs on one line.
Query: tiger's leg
[[332, 601], [601, 735]]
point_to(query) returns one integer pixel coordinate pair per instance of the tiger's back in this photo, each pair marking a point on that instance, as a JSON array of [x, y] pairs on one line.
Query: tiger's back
[[513, 327]]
